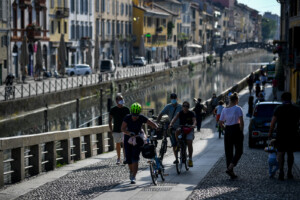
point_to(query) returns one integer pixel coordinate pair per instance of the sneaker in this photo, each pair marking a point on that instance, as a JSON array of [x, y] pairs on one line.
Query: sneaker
[[175, 161], [133, 181], [231, 174], [130, 176], [191, 163], [118, 161], [124, 161]]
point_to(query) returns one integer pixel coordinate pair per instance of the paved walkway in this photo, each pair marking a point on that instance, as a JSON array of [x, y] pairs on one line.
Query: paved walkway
[[100, 178]]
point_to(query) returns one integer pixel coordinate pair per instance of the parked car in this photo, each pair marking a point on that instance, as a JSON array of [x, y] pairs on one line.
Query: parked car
[[107, 66], [260, 123], [79, 69], [139, 61]]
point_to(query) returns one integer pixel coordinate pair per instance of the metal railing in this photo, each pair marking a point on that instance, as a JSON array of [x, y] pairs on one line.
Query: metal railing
[[58, 84]]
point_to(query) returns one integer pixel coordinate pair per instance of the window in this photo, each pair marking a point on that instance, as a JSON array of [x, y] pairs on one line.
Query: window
[[130, 28], [103, 5], [201, 21], [77, 6], [126, 28], [164, 22], [52, 4], [108, 6], [81, 7], [77, 31], [113, 28], [149, 21], [108, 27], [97, 27], [126, 9], [224, 23], [59, 3], [122, 9], [81, 31], [58, 26], [86, 30], [130, 11], [91, 31], [66, 27], [86, 7], [118, 28], [122, 28], [97, 5], [72, 30], [90, 8], [117, 7], [113, 7], [52, 27], [103, 28], [200, 33], [1, 10], [72, 6]]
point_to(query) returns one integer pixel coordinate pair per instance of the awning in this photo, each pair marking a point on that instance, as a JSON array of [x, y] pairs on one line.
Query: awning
[[193, 46]]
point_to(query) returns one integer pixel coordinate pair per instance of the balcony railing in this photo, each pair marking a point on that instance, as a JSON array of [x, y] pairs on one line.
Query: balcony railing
[[62, 12], [159, 39]]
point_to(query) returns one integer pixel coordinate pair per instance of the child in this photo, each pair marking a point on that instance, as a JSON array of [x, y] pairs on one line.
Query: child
[[218, 110], [273, 163]]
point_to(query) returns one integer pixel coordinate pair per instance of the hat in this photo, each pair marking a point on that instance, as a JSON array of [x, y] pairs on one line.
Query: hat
[[173, 96]]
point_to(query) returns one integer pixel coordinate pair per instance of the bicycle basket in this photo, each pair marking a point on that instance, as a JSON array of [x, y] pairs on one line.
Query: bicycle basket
[[148, 151], [186, 130]]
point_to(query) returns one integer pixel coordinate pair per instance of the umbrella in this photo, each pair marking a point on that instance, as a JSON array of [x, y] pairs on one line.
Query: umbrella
[[24, 60], [38, 59], [142, 47], [89, 54], [116, 51], [96, 56], [62, 55]]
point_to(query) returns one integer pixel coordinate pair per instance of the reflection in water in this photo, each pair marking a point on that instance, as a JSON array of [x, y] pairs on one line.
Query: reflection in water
[[201, 83]]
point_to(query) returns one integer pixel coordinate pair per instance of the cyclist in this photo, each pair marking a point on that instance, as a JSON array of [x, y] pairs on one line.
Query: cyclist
[[186, 117], [171, 110], [9, 79], [134, 137]]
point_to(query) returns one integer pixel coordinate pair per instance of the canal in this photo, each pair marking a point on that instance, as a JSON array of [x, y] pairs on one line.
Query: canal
[[202, 82]]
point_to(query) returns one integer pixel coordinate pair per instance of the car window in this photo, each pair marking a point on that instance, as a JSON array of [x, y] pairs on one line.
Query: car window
[[105, 64], [265, 110]]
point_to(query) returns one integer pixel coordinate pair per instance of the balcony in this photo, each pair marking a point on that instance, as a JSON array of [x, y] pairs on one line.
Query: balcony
[[24, 3], [33, 33], [159, 29], [159, 39], [40, 3], [62, 12]]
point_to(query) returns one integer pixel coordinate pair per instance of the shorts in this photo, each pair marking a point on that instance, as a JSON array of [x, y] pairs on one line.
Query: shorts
[[132, 152], [118, 137], [218, 117], [173, 138], [190, 136]]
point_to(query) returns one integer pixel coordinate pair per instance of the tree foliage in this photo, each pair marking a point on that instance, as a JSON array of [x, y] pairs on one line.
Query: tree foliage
[[268, 27]]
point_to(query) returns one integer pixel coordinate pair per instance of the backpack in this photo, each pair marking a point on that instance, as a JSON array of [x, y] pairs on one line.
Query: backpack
[[148, 151]]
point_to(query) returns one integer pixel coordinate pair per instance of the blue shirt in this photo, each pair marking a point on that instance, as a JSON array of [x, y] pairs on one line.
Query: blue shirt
[[135, 126], [169, 110]]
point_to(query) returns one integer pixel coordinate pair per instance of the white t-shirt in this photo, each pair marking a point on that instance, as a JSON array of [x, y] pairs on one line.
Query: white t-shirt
[[231, 115]]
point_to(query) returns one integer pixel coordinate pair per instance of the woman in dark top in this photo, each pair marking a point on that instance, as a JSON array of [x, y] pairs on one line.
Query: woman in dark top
[[186, 117], [134, 137]]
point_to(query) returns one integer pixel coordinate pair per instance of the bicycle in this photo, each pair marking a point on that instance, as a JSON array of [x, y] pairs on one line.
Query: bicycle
[[181, 150], [156, 167], [9, 91]]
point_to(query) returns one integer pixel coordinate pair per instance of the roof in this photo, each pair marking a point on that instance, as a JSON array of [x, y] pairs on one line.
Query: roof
[[155, 12], [172, 1], [159, 7]]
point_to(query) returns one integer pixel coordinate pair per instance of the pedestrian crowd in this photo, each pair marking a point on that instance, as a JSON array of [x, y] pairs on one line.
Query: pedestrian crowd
[[126, 126]]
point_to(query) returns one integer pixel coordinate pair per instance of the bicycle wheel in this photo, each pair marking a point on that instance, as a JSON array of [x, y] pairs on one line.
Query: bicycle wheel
[[180, 159], [161, 171], [185, 160], [163, 149], [153, 172]]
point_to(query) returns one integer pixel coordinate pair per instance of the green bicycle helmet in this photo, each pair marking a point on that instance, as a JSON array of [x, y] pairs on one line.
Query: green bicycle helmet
[[136, 108]]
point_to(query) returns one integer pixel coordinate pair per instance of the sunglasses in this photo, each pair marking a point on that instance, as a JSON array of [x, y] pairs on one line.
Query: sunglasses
[[185, 106]]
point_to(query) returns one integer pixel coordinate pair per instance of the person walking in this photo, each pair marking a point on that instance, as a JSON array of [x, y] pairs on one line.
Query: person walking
[[200, 110], [171, 110], [232, 117], [117, 115], [134, 137], [287, 117], [250, 82]]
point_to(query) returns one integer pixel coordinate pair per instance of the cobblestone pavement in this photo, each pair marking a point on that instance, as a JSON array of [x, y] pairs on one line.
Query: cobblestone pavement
[[253, 181]]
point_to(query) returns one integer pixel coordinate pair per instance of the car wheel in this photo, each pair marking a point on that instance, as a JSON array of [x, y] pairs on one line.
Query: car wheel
[[72, 73], [251, 142]]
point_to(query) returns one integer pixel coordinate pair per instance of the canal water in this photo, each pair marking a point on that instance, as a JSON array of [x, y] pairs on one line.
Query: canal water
[[200, 83]]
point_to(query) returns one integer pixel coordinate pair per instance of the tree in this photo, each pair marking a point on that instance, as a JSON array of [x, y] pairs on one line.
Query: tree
[[268, 28]]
